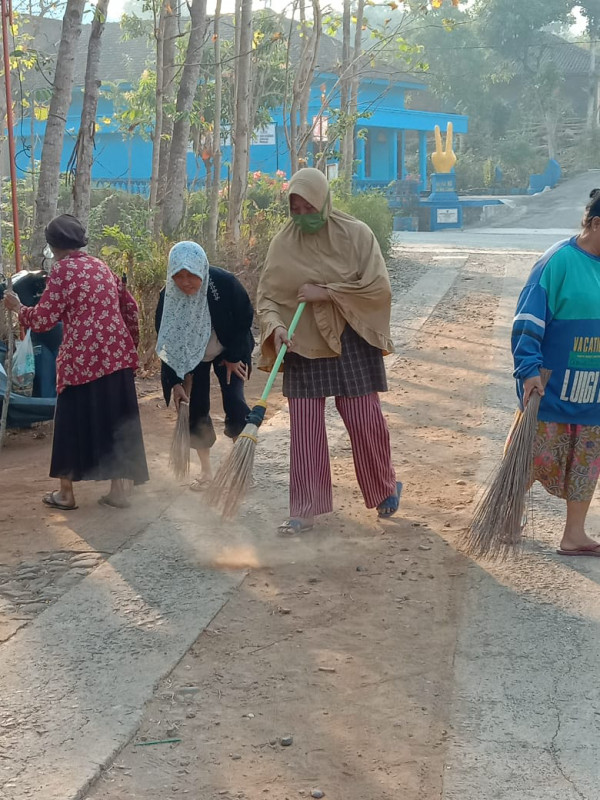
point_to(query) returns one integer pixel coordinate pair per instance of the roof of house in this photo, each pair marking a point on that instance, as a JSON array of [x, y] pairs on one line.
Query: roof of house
[[125, 59], [569, 59]]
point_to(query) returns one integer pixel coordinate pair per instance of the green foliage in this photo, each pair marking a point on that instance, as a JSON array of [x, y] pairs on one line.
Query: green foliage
[[493, 66], [470, 171], [266, 193], [518, 159], [135, 109], [373, 209]]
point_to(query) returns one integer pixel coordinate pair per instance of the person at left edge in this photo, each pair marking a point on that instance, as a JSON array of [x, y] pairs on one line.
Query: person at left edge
[[204, 321], [97, 430]]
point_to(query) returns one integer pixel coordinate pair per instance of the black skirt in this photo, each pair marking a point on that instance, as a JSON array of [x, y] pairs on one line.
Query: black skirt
[[97, 431], [357, 372]]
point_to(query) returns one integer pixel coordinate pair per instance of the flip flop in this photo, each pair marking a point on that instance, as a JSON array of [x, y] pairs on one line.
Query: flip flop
[[106, 501], [590, 550], [292, 527], [200, 484], [50, 500], [391, 505]]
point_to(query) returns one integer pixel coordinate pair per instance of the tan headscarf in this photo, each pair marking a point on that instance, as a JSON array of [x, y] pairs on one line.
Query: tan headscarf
[[344, 257]]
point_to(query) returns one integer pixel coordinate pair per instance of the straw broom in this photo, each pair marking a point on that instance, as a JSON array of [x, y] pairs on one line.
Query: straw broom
[[230, 485], [495, 531], [179, 458]]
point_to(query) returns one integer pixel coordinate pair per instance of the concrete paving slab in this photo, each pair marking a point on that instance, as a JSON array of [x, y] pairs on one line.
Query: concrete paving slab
[[75, 680], [413, 309]]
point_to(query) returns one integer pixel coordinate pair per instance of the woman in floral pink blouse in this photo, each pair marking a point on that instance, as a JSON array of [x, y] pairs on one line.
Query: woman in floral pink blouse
[[97, 430]]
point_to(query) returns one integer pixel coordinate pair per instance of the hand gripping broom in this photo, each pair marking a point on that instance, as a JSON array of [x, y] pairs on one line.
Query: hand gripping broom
[[233, 477]]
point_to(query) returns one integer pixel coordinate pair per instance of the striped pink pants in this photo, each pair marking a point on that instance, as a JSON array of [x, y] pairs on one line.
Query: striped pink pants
[[310, 470]]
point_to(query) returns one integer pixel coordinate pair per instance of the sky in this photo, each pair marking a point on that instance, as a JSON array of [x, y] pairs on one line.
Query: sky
[[117, 7]]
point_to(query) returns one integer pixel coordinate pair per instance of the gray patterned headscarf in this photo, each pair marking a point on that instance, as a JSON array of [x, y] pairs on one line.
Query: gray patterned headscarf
[[185, 327]]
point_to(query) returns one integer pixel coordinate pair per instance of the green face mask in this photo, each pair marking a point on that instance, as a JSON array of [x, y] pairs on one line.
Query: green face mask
[[311, 223]]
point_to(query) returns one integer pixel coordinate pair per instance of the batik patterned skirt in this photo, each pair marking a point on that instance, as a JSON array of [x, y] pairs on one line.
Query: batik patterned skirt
[[566, 459]]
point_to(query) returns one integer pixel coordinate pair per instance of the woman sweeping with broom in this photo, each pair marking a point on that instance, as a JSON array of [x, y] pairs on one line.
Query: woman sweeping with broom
[[557, 326], [204, 320], [332, 262]]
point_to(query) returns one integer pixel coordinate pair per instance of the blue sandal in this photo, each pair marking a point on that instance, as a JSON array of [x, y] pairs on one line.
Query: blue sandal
[[389, 506]]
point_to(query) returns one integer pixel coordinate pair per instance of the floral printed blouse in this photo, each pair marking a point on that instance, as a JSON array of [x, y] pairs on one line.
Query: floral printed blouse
[[99, 315]]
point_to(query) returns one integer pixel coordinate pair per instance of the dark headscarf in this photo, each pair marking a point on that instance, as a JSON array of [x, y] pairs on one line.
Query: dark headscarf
[[66, 233]]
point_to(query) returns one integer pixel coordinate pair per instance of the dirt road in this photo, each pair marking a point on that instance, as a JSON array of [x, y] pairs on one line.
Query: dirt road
[[331, 667]]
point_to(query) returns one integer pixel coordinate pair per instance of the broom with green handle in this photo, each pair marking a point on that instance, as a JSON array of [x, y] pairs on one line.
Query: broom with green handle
[[233, 477]]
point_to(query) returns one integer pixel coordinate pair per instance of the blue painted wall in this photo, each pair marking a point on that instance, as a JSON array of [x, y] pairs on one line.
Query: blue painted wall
[[128, 157]]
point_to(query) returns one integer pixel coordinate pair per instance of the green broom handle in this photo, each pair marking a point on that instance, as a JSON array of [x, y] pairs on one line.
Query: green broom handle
[[282, 352]]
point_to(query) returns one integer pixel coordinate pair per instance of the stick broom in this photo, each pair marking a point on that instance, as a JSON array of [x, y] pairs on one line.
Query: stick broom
[[495, 531], [233, 477], [179, 458]]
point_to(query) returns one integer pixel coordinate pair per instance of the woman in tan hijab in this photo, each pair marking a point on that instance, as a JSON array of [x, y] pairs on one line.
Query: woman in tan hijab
[[331, 261]]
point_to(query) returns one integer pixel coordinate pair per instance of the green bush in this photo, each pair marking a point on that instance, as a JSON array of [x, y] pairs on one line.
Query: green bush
[[471, 171], [519, 159], [371, 208]]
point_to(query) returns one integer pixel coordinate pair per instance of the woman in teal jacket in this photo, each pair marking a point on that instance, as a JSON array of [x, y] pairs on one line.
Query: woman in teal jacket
[[557, 326]]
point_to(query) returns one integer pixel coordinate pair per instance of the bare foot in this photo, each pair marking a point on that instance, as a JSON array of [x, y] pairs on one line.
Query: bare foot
[[577, 542]]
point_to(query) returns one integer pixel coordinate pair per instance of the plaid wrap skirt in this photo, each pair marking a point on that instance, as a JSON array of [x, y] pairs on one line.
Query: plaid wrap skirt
[[359, 370]]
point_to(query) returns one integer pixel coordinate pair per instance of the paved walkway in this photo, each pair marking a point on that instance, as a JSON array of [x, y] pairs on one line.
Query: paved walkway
[[526, 709], [75, 680], [489, 239]]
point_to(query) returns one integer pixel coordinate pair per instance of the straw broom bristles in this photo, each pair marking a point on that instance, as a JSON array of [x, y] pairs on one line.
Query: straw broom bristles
[[179, 458], [234, 476], [496, 528]]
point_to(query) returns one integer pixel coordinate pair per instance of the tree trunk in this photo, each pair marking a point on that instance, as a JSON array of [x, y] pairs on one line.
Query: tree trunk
[[47, 196], [592, 110], [159, 35], [84, 148], [241, 127], [345, 86], [300, 134], [353, 101], [169, 91], [177, 174], [551, 122], [213, 213]]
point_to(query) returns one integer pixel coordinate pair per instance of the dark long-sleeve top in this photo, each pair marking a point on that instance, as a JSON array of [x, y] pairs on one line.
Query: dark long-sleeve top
[[231, 315]]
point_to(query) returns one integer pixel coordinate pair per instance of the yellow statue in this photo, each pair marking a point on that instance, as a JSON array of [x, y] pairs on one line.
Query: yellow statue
[[444, 158]]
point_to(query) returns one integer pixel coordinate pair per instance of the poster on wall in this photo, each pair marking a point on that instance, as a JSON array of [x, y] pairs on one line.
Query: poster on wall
[[266, 135]]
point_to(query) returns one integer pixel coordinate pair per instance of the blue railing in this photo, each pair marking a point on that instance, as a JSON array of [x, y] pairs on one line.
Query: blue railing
[[133, 186], [139, 185]]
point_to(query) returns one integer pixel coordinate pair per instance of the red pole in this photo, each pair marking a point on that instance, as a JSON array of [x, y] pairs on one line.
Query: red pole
[[6, 17]]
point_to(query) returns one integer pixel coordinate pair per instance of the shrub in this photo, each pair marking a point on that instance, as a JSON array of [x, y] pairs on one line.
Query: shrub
[[371, 208]]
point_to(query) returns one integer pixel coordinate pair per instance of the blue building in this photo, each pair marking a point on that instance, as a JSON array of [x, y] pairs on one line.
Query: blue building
[[392, 135]]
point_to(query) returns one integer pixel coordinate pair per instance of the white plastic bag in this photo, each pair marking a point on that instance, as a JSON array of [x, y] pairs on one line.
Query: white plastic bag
[[23, 367]]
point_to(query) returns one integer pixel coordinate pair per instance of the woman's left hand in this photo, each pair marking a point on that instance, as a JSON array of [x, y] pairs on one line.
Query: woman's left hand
[[12, 302], [238, 368], [309, 293]]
